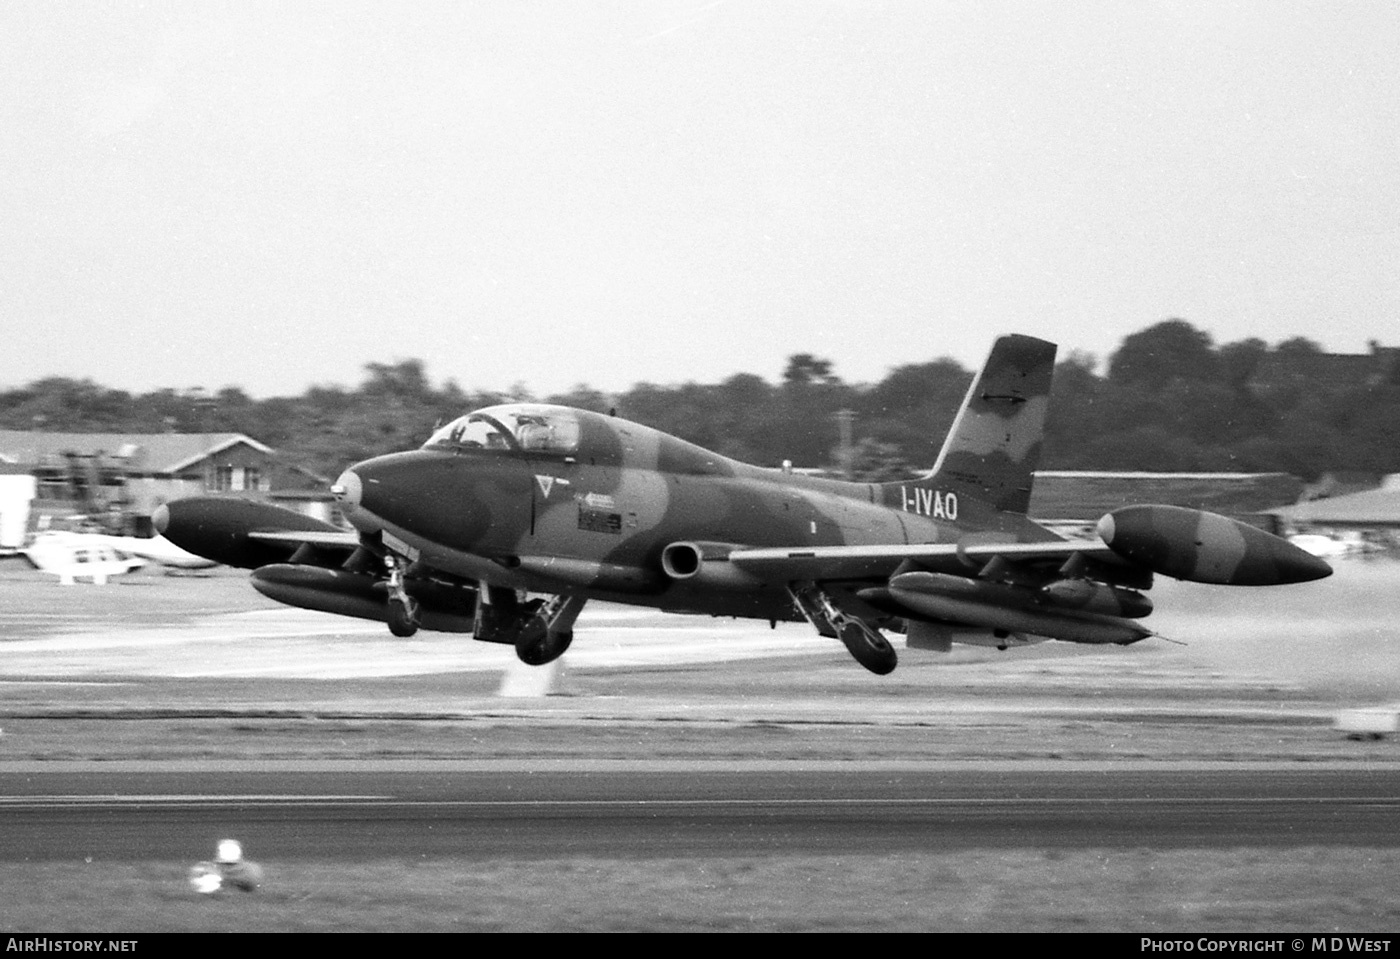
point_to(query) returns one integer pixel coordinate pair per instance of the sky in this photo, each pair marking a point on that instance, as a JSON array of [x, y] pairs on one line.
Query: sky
[[272, 195]]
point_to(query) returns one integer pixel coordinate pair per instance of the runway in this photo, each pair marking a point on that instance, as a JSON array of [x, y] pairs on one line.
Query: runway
[[690, 773], [640, 810]]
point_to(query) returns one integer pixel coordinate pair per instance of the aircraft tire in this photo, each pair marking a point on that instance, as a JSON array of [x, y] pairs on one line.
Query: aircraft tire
[[869, 648], [403, 621], [535, 647]]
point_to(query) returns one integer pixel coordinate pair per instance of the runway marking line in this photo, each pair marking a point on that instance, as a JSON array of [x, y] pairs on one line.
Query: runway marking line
[[34, 802]]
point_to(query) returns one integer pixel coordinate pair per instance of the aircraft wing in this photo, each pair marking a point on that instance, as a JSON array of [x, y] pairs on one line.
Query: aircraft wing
[[1186, 544], [866, 562], [326, 539]]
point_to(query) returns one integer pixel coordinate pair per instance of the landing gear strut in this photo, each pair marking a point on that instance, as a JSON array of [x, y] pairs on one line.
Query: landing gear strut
[[403, 608], [864, 642]]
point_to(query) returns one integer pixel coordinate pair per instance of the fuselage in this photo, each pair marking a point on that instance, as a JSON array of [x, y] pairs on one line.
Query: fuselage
[[591, 503], [569, 505]]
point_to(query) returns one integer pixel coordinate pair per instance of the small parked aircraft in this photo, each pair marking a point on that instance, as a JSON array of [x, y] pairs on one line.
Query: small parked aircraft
[[70, 554], [73, 556], [155, 549], [510, 518]]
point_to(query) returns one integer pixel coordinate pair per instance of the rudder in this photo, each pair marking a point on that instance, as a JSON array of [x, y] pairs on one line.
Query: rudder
[[992, 451]]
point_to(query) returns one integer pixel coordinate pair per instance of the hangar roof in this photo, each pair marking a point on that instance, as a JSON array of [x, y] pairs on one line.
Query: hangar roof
[[1376, 507], [143, 452], [1078, 495]]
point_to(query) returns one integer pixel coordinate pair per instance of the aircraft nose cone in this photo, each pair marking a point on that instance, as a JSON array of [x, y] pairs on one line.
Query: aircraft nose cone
[[433, 494], [160, 518]]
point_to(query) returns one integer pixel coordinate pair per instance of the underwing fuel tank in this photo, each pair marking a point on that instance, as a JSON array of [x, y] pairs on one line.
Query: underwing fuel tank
[[1201, 547], [957, 599], [1087, 596], [443, 608]]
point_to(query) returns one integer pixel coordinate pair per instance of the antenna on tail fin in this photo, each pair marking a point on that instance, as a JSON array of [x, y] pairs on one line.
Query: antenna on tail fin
[[992, 451]]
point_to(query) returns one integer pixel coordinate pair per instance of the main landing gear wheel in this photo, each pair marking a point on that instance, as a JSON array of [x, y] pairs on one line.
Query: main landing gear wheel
[[871, 649], [866, 644], [403, 616], [537, 645], [548, 633]]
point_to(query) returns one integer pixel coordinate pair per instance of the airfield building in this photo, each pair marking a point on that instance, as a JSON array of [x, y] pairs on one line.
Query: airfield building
[[1367, 518], [1071, 501], [117, 479]]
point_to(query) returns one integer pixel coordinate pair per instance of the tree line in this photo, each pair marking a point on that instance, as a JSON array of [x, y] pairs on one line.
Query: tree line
[[1168, 399]]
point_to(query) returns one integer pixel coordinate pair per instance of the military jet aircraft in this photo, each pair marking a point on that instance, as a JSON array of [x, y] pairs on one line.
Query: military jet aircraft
[[509, 519]]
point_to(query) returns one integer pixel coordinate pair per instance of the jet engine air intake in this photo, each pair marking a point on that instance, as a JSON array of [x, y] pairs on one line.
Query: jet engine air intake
[[682, 560], [706, 564]]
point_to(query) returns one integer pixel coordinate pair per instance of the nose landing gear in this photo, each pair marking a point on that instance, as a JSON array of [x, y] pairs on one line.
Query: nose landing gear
[[403, 608]]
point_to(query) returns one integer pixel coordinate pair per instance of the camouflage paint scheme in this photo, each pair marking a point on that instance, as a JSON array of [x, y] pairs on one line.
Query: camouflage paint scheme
[[525, 499], [600, 520]]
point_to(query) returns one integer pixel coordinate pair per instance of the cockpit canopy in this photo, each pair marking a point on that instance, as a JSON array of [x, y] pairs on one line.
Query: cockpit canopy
[[515, 427]]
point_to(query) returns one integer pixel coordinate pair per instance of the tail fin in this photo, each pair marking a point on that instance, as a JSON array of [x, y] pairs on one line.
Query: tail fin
[[994, 446]]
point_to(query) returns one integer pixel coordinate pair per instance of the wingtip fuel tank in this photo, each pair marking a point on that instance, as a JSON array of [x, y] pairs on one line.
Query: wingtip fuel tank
[[1202, 547], [219, 527]]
